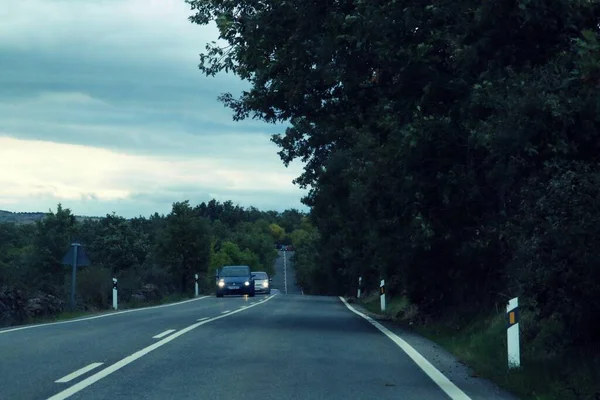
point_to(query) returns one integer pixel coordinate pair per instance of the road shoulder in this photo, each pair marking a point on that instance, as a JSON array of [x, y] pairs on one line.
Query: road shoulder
[[96, 315], [456, 371]]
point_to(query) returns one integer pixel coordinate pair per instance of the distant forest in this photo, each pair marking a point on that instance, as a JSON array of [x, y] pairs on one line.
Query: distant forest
[[153, 258]]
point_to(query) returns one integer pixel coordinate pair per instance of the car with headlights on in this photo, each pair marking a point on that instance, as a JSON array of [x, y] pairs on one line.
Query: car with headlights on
[[262, 282], [235, 279]]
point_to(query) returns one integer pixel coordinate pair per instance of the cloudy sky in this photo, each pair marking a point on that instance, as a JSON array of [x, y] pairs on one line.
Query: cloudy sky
[[103, 108]]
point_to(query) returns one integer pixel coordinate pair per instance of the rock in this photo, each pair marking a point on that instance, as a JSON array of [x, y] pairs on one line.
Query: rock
[[138, 297], [44, 305], [12, 306], [147, 293]]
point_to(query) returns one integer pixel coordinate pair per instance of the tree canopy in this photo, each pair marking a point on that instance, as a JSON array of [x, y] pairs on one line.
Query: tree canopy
[[450, 148]]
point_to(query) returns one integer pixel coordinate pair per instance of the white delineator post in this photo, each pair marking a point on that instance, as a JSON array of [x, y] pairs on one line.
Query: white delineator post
[[196, 285], [114, 292], [512, 334], [359, 285], [382, 294]]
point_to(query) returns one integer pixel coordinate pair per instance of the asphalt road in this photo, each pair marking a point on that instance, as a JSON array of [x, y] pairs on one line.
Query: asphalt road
[[267, 347], [284, 279]]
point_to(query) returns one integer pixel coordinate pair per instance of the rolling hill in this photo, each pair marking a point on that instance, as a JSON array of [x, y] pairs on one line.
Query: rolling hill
[[31, 217]]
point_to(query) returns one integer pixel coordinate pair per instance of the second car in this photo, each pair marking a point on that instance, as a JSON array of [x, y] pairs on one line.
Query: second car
[[262, 282]]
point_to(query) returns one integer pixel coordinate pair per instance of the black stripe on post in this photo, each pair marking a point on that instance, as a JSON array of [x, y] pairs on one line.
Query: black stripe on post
[[114, 285], [381, 290], [512, 317]]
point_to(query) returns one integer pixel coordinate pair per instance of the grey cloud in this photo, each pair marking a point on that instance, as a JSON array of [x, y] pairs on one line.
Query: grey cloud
[[131, 85], [262, 199], [237, 150], [146, 204], [177, 120], [200, 192], [176, 92], [121, 113]]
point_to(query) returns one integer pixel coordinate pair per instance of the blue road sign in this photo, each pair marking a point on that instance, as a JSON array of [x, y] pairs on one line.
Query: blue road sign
[[82, 258]]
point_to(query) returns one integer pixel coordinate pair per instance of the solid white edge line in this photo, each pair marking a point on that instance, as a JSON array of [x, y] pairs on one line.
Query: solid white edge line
[[163, 334], [108, 314], [436, 376], [78, 373], [225, 312], [202, 319], [285, 273], [79, 386]]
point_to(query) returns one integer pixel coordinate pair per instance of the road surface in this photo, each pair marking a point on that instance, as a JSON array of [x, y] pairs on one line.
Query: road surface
[[267, 347], [284, 279]]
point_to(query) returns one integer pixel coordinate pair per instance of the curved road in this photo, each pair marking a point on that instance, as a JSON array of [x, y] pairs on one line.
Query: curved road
[[268, 347]]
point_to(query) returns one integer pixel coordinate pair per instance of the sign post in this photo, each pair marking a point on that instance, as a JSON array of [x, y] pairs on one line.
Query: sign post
[[382, 294], [75, 257], [196, 285], [359, 285], [114, 293], [512, 334]]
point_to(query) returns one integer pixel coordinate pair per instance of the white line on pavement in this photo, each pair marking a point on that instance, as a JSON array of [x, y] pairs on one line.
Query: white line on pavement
[[225, 312], [202, 319], [436, 376], [79, 372], [110, 314], [129, 359], [284, 273], [165, 333]]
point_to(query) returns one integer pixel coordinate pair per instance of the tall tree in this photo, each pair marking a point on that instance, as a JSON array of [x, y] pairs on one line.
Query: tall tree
[[184, 246], [54, 235], [427, 131]]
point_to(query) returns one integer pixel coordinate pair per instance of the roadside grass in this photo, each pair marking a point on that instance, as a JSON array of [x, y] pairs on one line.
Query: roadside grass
[[68, 314], [393, 306], [63, 316], [168, 299], [480, 343], [174, 298]]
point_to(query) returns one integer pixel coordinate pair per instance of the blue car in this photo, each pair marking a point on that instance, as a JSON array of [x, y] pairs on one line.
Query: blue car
[[235, 279]]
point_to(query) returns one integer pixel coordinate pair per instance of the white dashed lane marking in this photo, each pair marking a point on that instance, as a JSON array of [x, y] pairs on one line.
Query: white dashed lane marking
[[78, 373], [163, 334]]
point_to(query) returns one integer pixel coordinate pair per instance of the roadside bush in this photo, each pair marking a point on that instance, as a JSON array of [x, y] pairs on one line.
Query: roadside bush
[[557, 258], [94, 287]]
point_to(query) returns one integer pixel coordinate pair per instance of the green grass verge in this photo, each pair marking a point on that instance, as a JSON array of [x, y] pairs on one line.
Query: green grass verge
[[392, 307], [172, 298], [481, 344], [67, 315]]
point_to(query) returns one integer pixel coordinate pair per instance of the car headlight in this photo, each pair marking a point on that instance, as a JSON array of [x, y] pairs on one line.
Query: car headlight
[[221, 283], [265, 284], [247, 283]]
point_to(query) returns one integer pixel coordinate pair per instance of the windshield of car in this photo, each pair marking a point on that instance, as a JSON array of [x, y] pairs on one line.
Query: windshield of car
[[234, 271], [260, 275]]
